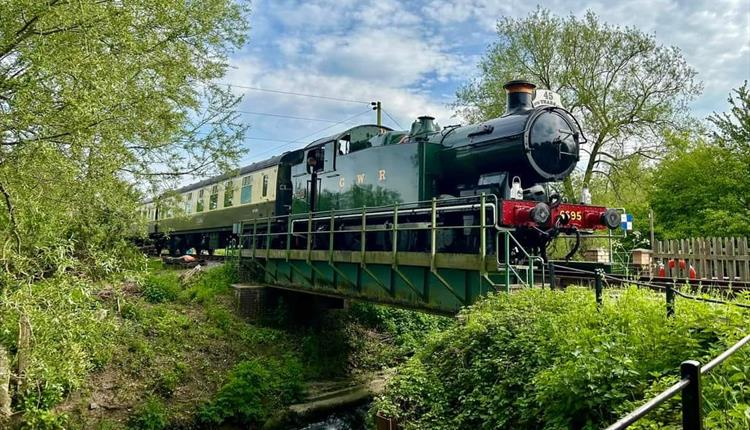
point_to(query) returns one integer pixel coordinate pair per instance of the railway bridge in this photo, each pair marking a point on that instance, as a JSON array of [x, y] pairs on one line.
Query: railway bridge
[[432, 280]]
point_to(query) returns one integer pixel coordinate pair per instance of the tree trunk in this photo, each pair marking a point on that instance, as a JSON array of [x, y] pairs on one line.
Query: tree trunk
[[24, 347], [4, 385], [568, 189]]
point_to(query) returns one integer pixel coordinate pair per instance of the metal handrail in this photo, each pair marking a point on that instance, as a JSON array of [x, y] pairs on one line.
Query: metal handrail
[[647, 407], [724, 355], [692, 417], [366, 212], [300, 226]]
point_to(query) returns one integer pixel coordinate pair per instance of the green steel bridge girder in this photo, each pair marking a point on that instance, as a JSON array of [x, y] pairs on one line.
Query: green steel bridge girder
[[415, 280]]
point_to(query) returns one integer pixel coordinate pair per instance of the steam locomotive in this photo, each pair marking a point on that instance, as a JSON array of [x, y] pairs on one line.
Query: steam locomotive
[[510, 160]]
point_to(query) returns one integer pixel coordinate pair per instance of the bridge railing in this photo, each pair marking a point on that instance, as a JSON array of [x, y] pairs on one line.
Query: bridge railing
[[311, 230], [689, 386]]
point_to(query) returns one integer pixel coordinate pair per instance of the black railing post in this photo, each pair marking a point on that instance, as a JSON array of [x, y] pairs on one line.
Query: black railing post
[[692, 399], [670, 300], [551, 276], [598, 287]]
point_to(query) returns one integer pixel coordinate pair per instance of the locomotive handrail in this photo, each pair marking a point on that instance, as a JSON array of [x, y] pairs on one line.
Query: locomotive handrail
[[531, 258]]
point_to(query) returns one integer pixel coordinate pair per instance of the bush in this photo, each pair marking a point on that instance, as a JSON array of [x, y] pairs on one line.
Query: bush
[[158, 288], [37, 419], [72, 334], [551, 360], [254, 389], [152, 415], [409, 329]]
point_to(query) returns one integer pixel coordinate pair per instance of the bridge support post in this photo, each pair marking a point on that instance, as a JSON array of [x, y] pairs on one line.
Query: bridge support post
[[251, 301]]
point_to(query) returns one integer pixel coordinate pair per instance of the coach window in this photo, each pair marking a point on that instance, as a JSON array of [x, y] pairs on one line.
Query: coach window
[[265, 185], [188, 203], [199, 204], [213, 199], [228, 194], [246, 195]]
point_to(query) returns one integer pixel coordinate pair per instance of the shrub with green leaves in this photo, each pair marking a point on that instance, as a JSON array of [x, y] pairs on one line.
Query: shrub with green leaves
[[72, 334], [152, 415], [163, 287], [409, 329], [550, 360], [254, 389]]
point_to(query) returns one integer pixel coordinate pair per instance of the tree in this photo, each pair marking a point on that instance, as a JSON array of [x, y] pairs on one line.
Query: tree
[[623, 86], [98, 100], [733, 127], [703, 186], [701, 191]]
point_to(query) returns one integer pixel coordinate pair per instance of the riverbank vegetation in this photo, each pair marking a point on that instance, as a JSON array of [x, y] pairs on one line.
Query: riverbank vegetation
[[158, 352], [552, 360]]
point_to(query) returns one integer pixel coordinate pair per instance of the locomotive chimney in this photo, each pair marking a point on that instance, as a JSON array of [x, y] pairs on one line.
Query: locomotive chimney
[[423, 126], [519, 93]]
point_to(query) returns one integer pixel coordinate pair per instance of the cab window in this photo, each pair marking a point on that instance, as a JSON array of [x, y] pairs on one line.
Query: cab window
[[343, 145], [188, 203], [315, 160], [265, 185]]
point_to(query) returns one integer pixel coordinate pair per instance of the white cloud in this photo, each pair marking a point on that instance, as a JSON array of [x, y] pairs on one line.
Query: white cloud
[[412, 55], [714, 35]]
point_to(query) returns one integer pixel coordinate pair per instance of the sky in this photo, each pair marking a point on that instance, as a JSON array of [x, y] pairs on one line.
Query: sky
[[413, 55]]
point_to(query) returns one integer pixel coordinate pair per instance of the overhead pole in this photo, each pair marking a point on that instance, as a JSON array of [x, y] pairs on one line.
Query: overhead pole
[[378, 111]]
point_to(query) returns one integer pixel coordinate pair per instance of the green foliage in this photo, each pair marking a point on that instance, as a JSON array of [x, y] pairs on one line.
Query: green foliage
[[254, 389], [701, 190], [40, 419], [152, 415], [733, 127], [407, 330], [702, 187], [97, 96], [163, 287], [73, 334], [213, 282], [620, 81], [544, 359]]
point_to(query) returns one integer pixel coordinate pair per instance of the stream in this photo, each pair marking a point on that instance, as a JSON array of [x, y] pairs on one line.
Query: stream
[[348, 419]]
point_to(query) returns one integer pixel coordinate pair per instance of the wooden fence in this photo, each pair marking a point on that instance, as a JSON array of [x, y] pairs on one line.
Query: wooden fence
[[712, 257]]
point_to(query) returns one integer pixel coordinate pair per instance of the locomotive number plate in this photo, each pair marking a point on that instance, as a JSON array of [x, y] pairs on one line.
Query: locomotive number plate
[[574, 215]]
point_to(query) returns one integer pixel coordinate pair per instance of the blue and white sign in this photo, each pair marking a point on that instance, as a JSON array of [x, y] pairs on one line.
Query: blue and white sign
[[626, 222]]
